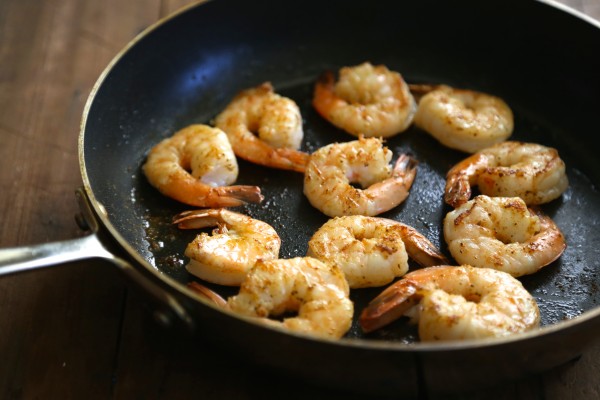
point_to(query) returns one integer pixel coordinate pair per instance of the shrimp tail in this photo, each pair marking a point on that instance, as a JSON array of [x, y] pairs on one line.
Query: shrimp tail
[[390, 305], [293, 159], [263, 154], [207, 294], [403, 176], [197, 219], [202, 218], [324, 99], [457, 191], [239, 195], [405, 168], [459, 179], [419, 90], [420, 249], [189, 190], [230, 196]]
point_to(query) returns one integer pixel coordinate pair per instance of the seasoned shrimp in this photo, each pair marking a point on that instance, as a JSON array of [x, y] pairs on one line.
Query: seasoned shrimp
[[456, 303], [503, 234], [233, 248], [332, 169], [371, 251], [463, 119], [316, 291], [206, 152], [274, 118], [366, 100], [530, 171]]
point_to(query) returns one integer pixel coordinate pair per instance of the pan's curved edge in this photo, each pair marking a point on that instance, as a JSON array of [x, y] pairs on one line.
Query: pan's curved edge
[[100, 81], [98, 208], [572, 11]]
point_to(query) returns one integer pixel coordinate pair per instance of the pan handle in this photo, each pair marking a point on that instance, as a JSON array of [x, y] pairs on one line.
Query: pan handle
[[26, 258], [21, 259]]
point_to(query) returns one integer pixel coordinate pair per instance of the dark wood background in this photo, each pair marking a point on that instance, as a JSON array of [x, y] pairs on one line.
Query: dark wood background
[[79, 331]]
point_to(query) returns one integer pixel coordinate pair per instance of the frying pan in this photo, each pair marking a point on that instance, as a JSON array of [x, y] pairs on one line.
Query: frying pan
[[536, 55]]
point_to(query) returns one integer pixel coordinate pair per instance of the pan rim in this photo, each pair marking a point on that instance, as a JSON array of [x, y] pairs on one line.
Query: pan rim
[[570, 10], [366, 344]]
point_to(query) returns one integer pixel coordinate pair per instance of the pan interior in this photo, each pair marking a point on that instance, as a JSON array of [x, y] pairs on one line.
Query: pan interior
[[187, 69]]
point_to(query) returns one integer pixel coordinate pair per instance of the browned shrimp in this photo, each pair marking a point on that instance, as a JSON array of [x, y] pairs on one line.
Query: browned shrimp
[[530, 171], [317, 292], [207, 154], [366, 100], [371, 251], [463, 119], [455, 303], [226, 256], [333, 168], [277, 122], [503, 234]]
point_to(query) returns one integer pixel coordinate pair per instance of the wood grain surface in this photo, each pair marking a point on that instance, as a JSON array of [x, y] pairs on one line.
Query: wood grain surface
[[79, 331]]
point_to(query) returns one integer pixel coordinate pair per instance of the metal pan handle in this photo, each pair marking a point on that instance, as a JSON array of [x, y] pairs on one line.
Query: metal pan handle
[[27, 258]]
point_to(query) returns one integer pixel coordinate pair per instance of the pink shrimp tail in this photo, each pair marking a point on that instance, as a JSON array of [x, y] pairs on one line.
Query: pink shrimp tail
[[390, 305], [406, 167], [208, 294], [458, 191], [239, 194], [324, 99]]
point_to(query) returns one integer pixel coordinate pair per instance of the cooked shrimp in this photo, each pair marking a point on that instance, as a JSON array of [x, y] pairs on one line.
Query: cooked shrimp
[[316, 291], [371, 251], [332, 169], [463, 119], [503, 234], [530, 171], [456, 303], [233, 248], [274, 118], [366, 100], [206, 152]]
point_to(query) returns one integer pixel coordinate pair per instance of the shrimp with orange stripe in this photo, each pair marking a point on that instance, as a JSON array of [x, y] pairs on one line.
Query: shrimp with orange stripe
[[196, 166], [265, 128], [366, 100], [455, 303]]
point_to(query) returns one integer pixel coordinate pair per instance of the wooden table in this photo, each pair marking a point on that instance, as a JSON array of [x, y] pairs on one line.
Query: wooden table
[[79, 331]]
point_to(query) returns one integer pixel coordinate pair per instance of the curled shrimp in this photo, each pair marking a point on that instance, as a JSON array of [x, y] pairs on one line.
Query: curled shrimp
[[317, 292], [455, 303], [463, 119], [530, 171], [226, 256], [206, 152], [503, 234], [274, 118], [371, 251], [331, 170], [366, 100]]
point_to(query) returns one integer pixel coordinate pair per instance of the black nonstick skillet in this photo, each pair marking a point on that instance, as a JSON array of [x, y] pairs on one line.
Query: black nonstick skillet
[[537, 56]]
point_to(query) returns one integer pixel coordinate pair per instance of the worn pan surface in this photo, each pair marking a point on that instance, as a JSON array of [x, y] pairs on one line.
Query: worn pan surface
[[535, 55]]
